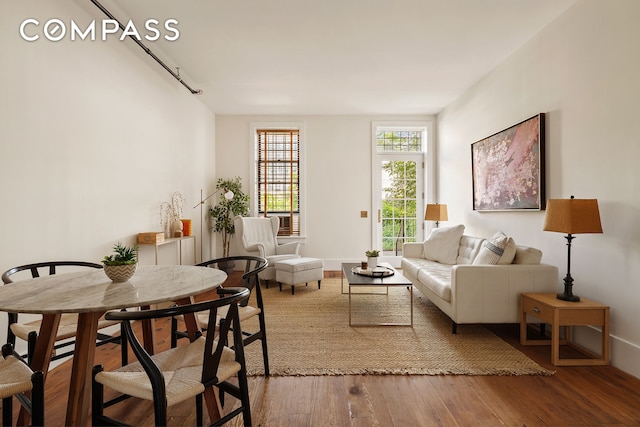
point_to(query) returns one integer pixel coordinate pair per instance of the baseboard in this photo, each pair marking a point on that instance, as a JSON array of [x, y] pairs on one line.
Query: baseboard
[[624, 354]]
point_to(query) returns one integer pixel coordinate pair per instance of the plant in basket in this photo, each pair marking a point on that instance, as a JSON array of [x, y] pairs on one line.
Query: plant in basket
[[121, 265]]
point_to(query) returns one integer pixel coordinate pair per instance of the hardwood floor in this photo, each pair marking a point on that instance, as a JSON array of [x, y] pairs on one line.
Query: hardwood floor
[[574, 396]]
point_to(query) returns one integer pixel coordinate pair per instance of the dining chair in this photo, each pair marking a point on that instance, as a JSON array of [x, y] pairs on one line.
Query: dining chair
[[175, 375], [17, 379], [252, 267], [68, 322]]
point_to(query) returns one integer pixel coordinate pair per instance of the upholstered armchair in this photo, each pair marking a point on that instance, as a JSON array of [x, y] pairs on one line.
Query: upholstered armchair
[[259, 237]]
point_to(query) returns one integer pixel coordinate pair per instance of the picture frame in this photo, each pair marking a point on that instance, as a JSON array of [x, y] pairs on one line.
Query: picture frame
[[508, 170]]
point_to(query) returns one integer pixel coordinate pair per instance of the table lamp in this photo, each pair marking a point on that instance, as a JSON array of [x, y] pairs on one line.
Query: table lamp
[[436, 212], [228, 194], [572, 216]]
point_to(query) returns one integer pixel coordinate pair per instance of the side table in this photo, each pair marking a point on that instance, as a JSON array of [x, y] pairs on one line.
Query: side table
[[178, 241], [549, 309]]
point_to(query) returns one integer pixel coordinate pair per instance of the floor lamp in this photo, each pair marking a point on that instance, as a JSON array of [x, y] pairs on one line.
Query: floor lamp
[[572, 216], [228, 194], [436, 212]]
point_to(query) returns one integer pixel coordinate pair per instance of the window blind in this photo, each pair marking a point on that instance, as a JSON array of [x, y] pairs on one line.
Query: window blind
[[279, 177]]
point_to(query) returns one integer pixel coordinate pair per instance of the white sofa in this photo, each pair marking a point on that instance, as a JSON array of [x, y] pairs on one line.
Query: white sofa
[[476, 280]]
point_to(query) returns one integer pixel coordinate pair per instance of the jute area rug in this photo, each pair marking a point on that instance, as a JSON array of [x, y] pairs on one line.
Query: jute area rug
[[309, 334]]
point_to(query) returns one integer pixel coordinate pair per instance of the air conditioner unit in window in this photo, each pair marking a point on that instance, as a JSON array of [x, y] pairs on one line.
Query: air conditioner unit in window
[[285, 225]]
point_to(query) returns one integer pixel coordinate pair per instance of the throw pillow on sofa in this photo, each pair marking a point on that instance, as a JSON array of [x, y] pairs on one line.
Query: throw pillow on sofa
[[443, 243], [499, 249], [527, 255], [509, 251]]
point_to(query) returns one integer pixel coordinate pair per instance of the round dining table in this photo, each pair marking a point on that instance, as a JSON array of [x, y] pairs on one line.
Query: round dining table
[[90, 294]]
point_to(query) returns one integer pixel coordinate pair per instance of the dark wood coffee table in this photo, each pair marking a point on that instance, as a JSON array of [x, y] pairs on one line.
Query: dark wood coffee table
[[356, 280]]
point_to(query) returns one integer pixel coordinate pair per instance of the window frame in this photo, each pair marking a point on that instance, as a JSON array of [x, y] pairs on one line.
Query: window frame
[[428, 157], [253, 175]]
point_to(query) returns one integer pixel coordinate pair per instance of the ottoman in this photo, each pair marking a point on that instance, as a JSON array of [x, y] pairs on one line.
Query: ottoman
[[299, 270]]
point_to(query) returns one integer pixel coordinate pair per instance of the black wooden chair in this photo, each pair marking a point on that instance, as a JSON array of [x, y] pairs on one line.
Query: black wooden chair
[[68, 322], [18, 380], [190, 369], [252, 267]]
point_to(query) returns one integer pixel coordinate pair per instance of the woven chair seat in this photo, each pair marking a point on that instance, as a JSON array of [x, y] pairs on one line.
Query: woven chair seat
[[182, 370], [243, 312], [15, 377], [67, 328]]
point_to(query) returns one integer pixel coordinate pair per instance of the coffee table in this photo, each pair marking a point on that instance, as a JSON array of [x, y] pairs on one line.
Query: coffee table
[[356, 280]]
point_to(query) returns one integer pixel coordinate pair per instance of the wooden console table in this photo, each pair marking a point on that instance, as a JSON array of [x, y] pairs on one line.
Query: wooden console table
[[178, 241], [549, 309]]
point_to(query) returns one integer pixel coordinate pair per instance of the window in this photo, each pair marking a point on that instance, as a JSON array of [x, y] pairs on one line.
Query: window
[[390, 140], [278, 177]]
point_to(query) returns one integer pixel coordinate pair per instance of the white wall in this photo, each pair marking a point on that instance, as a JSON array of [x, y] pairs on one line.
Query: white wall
[[338, 171], [582, 71], [94, 136]]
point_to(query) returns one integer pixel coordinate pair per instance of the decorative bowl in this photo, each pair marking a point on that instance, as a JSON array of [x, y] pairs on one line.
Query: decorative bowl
[[120, 273]]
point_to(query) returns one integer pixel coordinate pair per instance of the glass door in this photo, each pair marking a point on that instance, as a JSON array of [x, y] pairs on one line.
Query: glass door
[[400, 198]]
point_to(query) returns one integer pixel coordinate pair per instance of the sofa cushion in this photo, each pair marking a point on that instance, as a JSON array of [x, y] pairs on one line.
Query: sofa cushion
[[469, 248], [527, 255], [437, 277], [443, 244], [411, 266], [499, 249]]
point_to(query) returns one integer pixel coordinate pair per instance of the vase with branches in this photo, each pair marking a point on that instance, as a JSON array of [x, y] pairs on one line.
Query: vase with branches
[[171, 213], [227, 207]]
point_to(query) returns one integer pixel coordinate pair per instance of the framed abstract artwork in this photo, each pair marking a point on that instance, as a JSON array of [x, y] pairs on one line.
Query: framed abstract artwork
[[508, 168]]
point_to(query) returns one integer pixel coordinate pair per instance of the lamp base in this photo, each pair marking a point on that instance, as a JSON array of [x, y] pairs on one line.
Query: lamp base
[[568, 297]]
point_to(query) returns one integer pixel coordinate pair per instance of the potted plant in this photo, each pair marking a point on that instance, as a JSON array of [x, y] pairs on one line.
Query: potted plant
[[232, 201], [120, 266], [372, 257]]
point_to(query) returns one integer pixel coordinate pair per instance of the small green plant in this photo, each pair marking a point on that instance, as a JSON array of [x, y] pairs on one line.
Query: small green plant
[[372, 253], [124, 255]]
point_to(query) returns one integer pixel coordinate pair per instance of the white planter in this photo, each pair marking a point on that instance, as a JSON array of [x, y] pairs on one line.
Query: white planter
[[372, 261]]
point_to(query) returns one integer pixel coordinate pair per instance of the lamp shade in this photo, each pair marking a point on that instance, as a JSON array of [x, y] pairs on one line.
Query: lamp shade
[[573, 216], [436, 212]]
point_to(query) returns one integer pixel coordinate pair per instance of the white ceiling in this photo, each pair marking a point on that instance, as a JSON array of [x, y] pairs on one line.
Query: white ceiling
[[338, 56]]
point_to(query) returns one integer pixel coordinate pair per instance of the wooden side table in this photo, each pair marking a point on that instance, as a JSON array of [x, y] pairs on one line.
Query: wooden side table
[[549, 309]]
